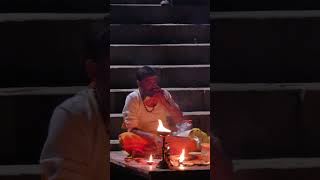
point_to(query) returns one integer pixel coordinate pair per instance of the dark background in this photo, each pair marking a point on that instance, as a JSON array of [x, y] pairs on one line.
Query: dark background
[[250, 5], [269, 50], [58, 6], [258, 123], [36, 54]]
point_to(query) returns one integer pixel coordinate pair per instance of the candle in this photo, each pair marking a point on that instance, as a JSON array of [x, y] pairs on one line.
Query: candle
[[181, 159], [181, 167], [150, 161], [182, 156]]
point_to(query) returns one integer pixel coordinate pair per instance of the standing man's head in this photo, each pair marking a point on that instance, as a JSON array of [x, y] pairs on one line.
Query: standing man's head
[[96, 52], [97, 64], [147, 80]]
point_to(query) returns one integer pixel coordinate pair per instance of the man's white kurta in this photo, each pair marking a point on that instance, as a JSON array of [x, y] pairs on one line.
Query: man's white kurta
[[135, 114], [77, 146]]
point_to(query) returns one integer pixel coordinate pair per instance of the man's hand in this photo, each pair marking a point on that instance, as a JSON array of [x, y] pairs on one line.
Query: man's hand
[[170, 105], [159, 95], [155, 141], [155, 144]]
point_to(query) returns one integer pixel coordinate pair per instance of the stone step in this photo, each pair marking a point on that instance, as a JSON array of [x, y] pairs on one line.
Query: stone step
[[34, 37], [25, 120], [256, 53], [264, 15], [57, 6], [56, 18], [174, 2], [256, 124], [189, 99], [277, 168], [170, 76], [278, 174], [248, 5], [200, 119], [159, 33], [172, 54], [21, 172], [154, 14]]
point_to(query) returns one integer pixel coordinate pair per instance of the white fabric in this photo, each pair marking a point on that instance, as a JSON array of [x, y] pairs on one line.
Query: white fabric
[[77, 145], [135, 114]]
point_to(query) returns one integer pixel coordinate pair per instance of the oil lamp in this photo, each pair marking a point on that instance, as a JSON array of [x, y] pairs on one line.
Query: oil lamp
[[163, 132]]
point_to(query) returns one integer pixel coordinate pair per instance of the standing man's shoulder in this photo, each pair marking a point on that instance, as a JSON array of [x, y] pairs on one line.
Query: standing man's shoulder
[[78, 103]]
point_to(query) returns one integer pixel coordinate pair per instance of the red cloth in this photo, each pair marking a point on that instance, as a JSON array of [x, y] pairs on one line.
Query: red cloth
[[177, 143], [132, 143]]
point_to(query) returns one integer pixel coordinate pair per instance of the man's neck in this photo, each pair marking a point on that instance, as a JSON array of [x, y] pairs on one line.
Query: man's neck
[[92, 85], [143, 96]]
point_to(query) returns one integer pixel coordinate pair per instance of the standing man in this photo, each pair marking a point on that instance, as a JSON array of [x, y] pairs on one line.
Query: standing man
[[77, 146]]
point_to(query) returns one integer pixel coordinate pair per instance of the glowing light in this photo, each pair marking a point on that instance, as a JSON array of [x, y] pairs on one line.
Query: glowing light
[[150, 161], [181, 167], [151, 158], [182, 156], [161, 128]]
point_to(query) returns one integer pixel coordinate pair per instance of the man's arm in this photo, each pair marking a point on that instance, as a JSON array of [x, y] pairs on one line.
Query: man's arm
[[129, 113], [65, 155], [131, 121], [152, 138]]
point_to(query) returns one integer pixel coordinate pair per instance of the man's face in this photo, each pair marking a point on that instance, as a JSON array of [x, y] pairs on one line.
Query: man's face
[[149, 84]]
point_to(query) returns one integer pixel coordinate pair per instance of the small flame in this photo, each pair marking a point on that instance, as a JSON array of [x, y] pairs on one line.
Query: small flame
[[161, 128], [182, 156], [181, 167], [151, 158]]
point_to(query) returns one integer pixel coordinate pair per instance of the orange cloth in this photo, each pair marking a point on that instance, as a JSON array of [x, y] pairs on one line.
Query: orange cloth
[[132, 143], [136, 145], [177, 143]]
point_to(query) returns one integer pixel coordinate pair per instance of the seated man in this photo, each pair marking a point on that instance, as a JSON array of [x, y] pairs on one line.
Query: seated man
[[142, 110]]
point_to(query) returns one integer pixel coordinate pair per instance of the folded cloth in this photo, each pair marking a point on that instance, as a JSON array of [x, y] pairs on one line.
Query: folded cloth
[[177, 143], [138, 146]]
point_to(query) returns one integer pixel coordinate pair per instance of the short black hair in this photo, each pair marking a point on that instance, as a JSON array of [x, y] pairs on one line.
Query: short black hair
[[97, 48], [144, 72], [96, 45]]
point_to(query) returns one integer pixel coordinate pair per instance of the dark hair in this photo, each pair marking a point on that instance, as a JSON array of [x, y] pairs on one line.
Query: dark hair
[[96, 47], [144, 72]]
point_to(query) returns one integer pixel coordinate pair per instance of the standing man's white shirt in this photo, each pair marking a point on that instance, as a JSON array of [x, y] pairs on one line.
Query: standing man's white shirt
[[77, 147], [136, 115]]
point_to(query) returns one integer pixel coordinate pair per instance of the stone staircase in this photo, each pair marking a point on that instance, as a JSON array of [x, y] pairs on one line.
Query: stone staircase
[[265, 92], [172, 39]]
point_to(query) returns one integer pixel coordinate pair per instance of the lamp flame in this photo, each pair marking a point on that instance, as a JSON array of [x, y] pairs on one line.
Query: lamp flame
[[161, 128], [151, 158], [182, 156], [150, 161]]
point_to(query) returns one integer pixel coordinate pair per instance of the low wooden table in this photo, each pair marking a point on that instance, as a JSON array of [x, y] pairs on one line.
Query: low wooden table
[[151, 172]]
